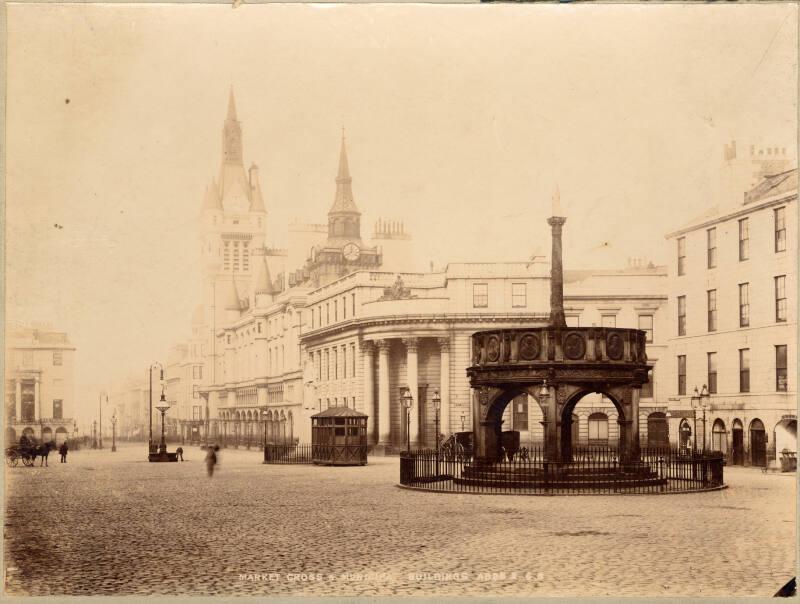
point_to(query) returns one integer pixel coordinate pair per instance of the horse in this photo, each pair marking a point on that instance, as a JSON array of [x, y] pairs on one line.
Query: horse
[[42, 451]]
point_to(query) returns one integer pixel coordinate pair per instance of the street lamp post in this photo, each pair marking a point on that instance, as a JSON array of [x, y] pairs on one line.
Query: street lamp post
[[94, 434], [100, 431], [699, 400], [437, 405], [463, 418], [264, 416], [162, 406], [114, 433], [408, 401], [150, 414]]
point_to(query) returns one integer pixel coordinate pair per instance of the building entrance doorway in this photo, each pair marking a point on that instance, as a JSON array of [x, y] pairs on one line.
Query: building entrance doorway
[[737, 444], [758, 443]]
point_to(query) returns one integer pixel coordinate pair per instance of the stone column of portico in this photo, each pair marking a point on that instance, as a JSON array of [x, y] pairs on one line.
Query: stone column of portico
[[18, 400], [37, 402], [444, 385], [384, 426], [633, 443], [412, 374], [368, 354], [552, 427]]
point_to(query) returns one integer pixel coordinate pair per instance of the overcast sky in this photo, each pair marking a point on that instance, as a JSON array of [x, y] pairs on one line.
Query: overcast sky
[[460, 121]]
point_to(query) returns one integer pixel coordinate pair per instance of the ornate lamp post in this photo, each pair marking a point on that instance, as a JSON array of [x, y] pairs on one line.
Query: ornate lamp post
[[463, 418], [544, 394], [700, 400], [150, 415], [100, 432], [264, 416], [114, 433], [94, 434], [437, 405], [408, 402], [162, 406]]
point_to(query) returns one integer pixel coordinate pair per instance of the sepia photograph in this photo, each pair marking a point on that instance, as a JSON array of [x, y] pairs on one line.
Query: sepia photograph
[[432, 300]]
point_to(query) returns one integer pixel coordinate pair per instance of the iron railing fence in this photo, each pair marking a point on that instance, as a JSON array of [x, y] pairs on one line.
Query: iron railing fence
[[662, 474], [288, 454], [609, 453]]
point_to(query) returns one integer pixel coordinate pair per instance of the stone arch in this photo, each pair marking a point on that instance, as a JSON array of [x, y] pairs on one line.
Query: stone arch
[[785, 435], [567, 414], [493, 405]]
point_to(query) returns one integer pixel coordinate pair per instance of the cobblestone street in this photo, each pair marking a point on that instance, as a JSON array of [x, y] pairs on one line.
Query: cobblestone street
[[113, 524]]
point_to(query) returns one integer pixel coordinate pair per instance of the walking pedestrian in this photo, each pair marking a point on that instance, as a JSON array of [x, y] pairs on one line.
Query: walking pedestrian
[[179, 453], [211, 459], [62, 450]]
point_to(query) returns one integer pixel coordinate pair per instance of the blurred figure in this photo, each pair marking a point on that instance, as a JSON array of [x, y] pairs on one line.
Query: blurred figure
[[62, 450], [211, 459], [179, 453]]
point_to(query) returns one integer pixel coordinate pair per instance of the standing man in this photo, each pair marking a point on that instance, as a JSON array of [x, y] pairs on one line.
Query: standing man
[[63, 449], [179, 453]]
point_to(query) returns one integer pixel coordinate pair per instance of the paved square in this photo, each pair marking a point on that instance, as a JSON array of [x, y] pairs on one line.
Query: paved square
[[113, 524]]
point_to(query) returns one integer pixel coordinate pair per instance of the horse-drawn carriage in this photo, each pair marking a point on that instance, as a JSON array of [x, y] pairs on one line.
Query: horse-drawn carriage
[[26, 453], [457, 446]]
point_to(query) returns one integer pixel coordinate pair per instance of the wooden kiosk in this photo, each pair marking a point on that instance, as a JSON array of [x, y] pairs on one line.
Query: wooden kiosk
[[339, 437]]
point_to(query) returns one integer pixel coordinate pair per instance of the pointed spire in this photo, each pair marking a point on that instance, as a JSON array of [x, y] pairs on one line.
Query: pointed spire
[[231, 106], [263, 279], [232, 301], [256, 199], [343, 202]]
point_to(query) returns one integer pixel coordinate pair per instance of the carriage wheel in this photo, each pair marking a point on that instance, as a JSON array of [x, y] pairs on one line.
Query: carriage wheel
[[28, 460], [11, 459]]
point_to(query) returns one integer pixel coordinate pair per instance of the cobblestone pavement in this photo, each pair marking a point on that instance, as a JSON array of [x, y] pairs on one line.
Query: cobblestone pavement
[[113, 524]]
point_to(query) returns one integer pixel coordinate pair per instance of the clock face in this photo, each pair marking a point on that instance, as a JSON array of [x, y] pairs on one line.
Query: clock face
[[351, 251]]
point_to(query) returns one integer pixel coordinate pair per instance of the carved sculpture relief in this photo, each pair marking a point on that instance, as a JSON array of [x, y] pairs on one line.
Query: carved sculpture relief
[[529, 347], [615, 347], [574, 346]]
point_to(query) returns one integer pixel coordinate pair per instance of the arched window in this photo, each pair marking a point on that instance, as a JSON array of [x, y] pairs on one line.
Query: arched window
[[598, 429], [686, 435], [758, 443], [719, 440], [657, 430]]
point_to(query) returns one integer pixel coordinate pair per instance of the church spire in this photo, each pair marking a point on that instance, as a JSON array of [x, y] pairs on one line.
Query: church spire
[[232, 135], [343, 201], [231, 106]]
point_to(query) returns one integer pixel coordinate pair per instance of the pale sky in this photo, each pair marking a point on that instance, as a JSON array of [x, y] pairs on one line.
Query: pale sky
[[460, 121]]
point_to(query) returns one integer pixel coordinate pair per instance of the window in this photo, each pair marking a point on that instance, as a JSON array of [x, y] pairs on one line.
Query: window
[[335, 310], [480, 295], [744, 239], [712, 372], [195, 391], [681, 315], [573, 320], [682, 374], [519, 295], [647, 389], [780, 298], [327, 365], [711, 246], [646, 325], [27, 358], [744, 370], [344, 362], [681, 255], [319, 365], [353, 364], [58, 406], [344, 308], [353, 298], [608, 320], [744, 304], [327, 313], [197, 372], [781, 369], [520, 420], [780, 230], [598, 429], [712, 310], [57, 357], [312, 319], [259, 325]]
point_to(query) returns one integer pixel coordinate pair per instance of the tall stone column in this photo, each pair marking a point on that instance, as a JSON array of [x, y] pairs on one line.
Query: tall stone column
[[444, 385], [557, 318], [37, 401], [384, 426], [368, 355], [18, 400], [412, 375]]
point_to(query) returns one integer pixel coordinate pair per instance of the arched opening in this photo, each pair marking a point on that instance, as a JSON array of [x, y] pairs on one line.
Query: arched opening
[[719, 437], [657, 430], [785, 436], [47, 434], [598, 429], [685, 436], [496, 439], [61, 436], [737, 443], [11, 436], [758, 443], [27, 434]]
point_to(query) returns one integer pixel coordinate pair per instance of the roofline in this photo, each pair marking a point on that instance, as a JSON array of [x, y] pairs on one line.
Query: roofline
[[776, 200]]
